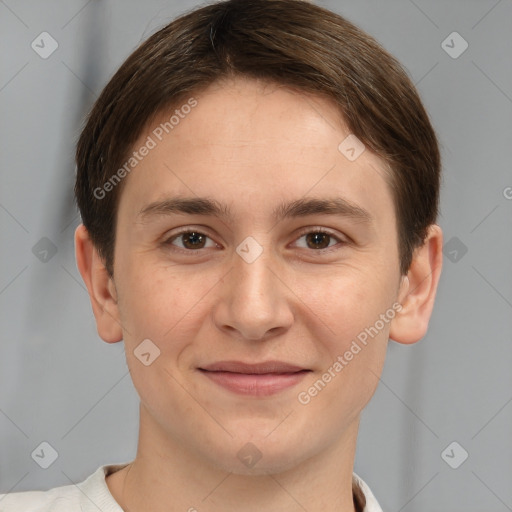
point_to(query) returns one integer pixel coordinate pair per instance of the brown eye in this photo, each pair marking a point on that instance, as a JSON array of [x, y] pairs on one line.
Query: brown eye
[[318, 240], [190, 240], [193, 240]]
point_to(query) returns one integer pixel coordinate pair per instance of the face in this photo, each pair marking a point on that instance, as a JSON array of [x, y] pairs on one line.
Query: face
[[299, 258]]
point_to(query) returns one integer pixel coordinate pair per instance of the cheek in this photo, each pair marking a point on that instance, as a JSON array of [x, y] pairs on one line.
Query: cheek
[[148, 306], [347, 301], [354, 339], [161, 304], [158, 305], [353, 342]]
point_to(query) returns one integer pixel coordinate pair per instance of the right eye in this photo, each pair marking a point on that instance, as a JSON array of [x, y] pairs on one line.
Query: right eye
[[191, 240]]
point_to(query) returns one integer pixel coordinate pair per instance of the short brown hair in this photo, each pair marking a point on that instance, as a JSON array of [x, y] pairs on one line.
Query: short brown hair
[[289, 42]]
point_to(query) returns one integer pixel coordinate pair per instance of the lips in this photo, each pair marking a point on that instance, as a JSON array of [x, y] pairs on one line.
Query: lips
[[253, 368], [257, 379]]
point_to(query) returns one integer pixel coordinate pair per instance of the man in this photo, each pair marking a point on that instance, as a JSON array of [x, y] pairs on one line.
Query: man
[[258, 185]]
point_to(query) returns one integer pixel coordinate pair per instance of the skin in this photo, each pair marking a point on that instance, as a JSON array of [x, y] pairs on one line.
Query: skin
[[252, 146]]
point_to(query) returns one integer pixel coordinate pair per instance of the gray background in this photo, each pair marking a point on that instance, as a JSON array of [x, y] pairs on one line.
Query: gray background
[[61, 384]]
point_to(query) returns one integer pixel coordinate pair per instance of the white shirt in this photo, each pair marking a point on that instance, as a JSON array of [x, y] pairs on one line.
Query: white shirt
[[93, 495]]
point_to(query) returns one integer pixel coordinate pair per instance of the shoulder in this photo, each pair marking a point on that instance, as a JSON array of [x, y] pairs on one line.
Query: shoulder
[[369, 502], [59, 499], [90, 494]]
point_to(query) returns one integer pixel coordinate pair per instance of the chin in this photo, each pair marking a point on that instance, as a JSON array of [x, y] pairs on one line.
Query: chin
[[268, 464], [258, 454]]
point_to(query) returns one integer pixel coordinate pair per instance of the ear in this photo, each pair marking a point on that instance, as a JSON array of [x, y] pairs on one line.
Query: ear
[[100, 286], [418, 290]]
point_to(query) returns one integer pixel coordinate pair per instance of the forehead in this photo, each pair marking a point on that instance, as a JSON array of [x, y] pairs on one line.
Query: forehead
[[246, 140]]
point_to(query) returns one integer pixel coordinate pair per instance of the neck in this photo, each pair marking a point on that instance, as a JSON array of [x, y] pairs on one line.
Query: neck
[[167, 476]]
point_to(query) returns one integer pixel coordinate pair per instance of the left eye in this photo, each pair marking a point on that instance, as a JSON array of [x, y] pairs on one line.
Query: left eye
[[194, 240], [318, 240]]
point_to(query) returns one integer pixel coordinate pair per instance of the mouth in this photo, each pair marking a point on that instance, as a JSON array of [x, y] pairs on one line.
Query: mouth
[[256, 379]]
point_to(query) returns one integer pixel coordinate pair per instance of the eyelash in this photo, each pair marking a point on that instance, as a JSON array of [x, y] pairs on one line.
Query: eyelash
[[191, 252]]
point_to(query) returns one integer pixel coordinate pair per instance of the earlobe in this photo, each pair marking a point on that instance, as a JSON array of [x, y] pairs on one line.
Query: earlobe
[[418, 290], [100, 286]]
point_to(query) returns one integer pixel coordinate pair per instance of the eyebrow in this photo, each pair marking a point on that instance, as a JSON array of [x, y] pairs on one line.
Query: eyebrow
[[298, 208]]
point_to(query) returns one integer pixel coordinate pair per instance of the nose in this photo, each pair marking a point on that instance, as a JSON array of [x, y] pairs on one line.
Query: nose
[[254, 302]]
